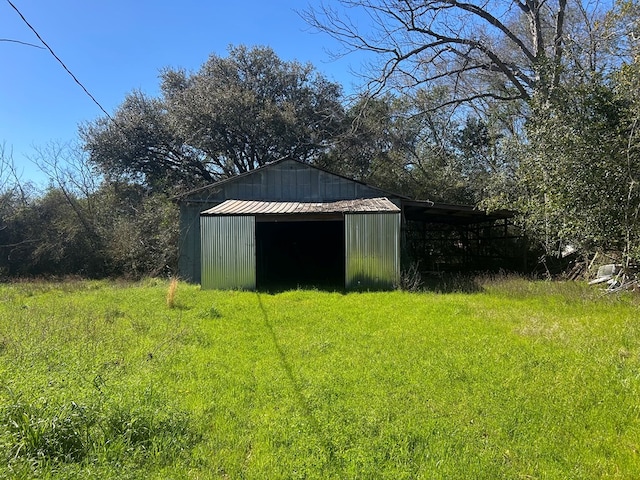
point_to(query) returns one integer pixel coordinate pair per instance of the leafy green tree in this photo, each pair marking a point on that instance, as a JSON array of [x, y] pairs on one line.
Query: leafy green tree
[[575, 176], [401, 144], [488, 152], [139, 144], [374, 143], [233, 115], [624, 23]]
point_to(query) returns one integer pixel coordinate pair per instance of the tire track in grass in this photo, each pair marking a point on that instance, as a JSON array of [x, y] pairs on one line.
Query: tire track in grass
[[301, 401]]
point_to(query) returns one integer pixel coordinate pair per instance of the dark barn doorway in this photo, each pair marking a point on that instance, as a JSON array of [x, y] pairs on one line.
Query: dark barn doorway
[[292, 254]]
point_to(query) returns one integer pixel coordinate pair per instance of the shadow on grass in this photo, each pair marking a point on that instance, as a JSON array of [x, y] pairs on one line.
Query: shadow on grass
[[437, 282], [302, 402]]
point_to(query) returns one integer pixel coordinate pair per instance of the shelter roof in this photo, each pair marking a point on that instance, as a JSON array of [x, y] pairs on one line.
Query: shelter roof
[[427, 211]]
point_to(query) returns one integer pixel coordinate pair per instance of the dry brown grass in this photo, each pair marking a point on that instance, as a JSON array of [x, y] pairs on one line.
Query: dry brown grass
[[171, 293]]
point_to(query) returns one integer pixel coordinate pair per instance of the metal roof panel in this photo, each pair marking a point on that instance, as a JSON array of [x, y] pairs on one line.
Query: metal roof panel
[[247, 207]]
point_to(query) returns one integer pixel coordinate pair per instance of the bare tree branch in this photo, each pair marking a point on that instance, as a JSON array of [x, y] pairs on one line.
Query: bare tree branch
[[510, 49]]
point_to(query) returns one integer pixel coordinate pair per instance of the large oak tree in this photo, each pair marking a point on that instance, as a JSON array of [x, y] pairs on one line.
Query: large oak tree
[[235, 114]]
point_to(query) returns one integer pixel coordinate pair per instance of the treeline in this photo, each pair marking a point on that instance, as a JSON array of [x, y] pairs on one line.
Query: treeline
[[116, 230], [532, 109]]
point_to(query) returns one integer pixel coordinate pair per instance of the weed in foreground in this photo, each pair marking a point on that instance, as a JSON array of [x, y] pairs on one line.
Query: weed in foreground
[[40, 435], [44, 432]]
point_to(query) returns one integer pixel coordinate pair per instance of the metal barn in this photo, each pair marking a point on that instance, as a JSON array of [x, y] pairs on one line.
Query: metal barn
[[289, 224]]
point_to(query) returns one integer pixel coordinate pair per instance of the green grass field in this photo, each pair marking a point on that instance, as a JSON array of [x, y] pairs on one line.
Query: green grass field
[[519, 380]]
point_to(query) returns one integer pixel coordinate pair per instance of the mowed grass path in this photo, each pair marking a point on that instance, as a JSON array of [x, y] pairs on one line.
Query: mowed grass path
[[519, 380]]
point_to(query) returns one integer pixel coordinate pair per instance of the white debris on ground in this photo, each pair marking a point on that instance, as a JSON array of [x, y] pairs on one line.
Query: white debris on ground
[[606, 273], [617, 277]]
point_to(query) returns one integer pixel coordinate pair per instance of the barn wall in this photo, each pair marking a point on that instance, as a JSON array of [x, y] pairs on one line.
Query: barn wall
[[293, 181], [189, 246], [228, 252], [372, 250], [287, 181]]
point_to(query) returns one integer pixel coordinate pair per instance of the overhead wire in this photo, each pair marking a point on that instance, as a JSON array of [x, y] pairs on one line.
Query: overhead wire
[[59, 60], [21, 43]]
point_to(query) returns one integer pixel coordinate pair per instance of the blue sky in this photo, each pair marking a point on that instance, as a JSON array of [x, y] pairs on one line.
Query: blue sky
[[115, 46]]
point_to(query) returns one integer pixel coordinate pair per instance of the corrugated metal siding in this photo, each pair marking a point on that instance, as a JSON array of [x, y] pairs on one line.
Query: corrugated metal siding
[[372, 250], [288, 181], [228, 252]]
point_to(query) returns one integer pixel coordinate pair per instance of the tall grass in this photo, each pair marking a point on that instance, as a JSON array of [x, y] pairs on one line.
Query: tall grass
[[518, 379]]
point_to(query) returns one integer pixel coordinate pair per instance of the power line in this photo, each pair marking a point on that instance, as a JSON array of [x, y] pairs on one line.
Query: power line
[[21, 43], [58, 59]]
